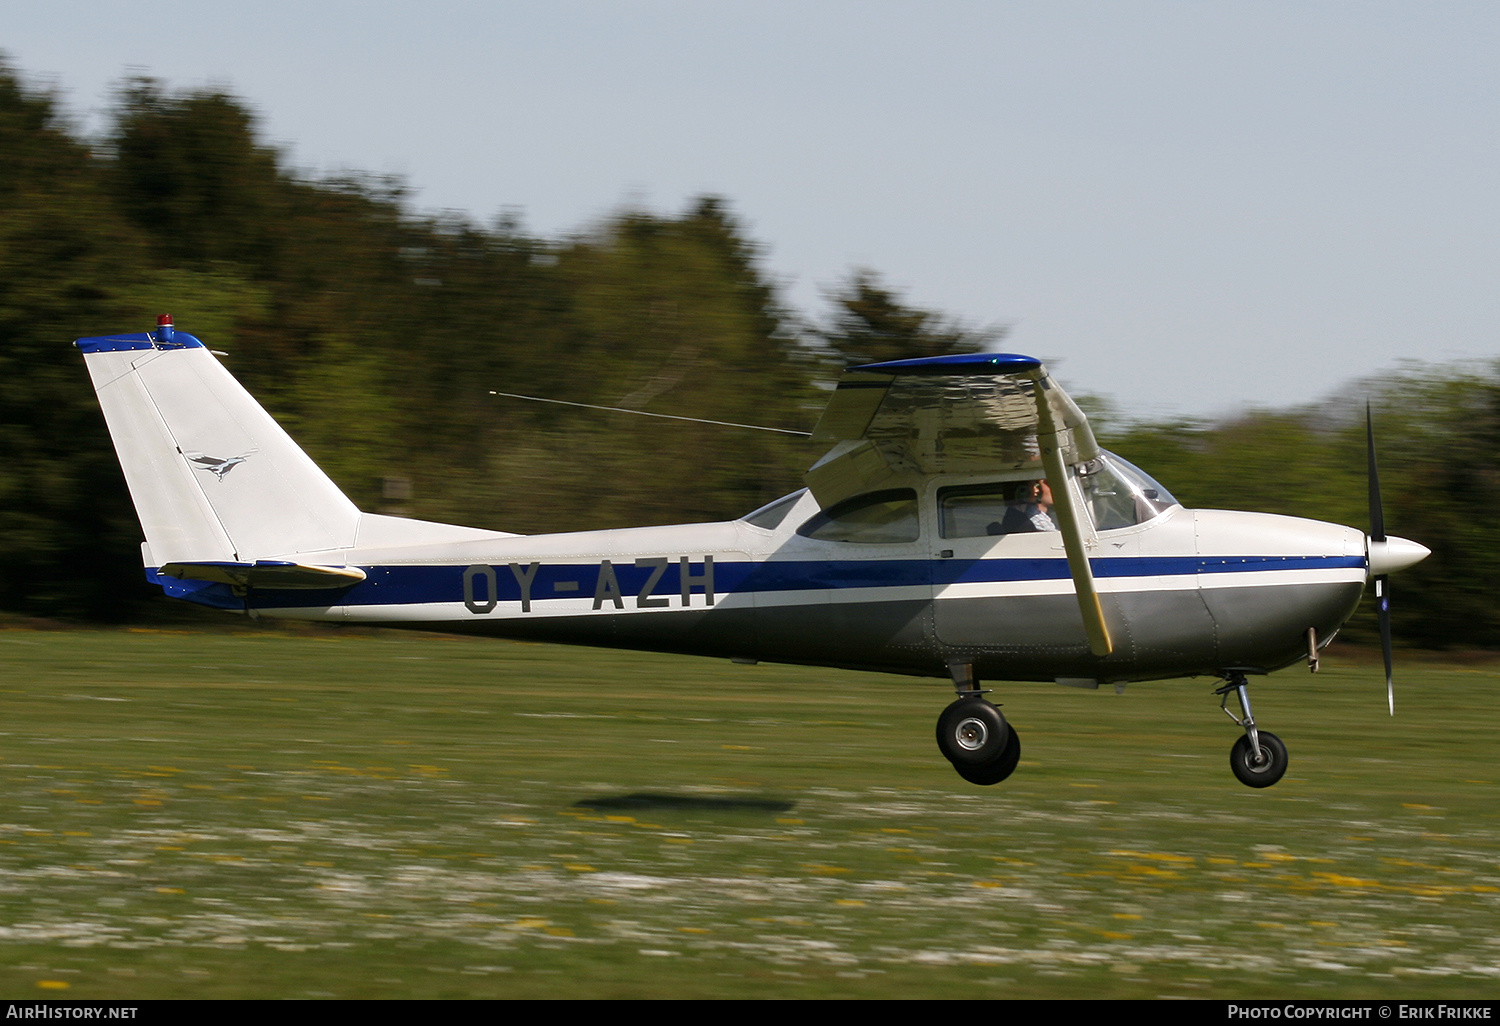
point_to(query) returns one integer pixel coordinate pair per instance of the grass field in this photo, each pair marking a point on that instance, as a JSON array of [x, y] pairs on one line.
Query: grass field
[[257, 814]]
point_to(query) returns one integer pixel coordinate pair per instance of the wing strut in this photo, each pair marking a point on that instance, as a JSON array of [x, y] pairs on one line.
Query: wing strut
[[1049, 439]]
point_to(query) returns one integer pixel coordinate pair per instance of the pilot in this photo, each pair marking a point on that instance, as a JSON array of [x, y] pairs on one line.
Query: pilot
[[1029, 509]]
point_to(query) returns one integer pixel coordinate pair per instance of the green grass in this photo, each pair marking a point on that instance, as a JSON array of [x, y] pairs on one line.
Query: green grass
[[258, 814]]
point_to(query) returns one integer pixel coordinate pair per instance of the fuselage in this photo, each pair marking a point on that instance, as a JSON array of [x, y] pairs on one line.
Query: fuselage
[[944, 530], [1184, 591]]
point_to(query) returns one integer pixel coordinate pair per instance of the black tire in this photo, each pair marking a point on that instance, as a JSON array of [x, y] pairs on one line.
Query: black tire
[[1262, 774], [997, 770], [971, 732]]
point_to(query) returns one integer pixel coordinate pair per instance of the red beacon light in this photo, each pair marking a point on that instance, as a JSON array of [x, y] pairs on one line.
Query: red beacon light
[[164, 329]]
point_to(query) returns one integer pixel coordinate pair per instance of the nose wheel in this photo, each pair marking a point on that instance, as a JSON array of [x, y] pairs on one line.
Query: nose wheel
[[974, 736], [1263, 771], [1258, 759]]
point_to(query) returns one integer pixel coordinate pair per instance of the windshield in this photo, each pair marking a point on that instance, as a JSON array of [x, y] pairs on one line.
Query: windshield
[[1120, 494]]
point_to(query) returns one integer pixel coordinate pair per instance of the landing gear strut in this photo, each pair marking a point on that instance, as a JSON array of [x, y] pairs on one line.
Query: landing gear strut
[[1258, 758], [973, 735]]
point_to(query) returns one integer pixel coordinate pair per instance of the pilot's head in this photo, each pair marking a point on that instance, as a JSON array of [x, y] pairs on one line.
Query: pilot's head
[[1030, 493]]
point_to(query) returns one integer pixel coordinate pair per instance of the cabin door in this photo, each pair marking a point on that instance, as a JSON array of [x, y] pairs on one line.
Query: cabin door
[[999, 572]]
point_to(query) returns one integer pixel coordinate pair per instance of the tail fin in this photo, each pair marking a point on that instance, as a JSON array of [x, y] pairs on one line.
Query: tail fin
[[213, 477]]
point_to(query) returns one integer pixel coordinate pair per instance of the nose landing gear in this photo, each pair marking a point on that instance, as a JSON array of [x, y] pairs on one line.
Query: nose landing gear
[[1263, 771], [1259, 758]]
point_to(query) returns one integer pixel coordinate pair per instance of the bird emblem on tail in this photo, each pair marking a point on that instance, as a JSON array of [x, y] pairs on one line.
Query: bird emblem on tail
[[218, 466]]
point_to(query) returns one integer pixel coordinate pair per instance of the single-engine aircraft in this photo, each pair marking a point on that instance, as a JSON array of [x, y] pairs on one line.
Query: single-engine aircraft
[[965, 524]]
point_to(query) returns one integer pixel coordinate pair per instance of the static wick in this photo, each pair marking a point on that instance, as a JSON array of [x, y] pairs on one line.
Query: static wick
[[643, 413]]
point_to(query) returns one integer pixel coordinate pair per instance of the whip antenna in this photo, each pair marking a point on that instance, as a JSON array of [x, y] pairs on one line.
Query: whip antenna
[[643, 413]]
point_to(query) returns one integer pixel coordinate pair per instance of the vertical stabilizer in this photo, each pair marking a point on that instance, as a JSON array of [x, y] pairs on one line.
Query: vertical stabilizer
[[212, 475]]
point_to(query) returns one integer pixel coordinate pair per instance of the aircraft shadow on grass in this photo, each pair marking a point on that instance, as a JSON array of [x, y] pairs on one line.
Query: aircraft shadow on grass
[[651, 801]]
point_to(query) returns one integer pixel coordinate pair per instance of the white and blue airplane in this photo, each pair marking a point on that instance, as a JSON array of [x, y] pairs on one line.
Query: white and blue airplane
[[964, 525]]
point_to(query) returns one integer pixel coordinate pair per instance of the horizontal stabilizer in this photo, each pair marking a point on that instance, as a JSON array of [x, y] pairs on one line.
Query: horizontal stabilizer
[[267, 573]]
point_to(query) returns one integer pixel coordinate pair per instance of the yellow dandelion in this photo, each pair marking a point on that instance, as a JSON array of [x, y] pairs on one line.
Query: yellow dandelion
[[1339, 880]]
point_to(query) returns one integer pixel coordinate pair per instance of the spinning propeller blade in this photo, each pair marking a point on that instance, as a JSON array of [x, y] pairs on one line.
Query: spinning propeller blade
[[1377, 536]]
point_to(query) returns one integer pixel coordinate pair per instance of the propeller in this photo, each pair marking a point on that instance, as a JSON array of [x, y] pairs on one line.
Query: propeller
[[1377, 537]]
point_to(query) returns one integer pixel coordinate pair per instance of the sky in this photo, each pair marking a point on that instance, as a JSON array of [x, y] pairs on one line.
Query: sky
[[1188, 207]]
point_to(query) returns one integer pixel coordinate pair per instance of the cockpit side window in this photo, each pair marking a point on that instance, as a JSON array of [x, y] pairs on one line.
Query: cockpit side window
[[876, 518], [994, 508], [971, 511]]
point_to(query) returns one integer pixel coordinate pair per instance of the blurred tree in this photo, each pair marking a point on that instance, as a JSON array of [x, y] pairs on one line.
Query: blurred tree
[[298, 279], [1267, 462], [1438, 436], [68, 543], [668, 315], [870, 325], [189, 174]]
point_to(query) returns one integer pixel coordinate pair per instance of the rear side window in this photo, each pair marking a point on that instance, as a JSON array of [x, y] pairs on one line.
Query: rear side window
[[770, 516], [877, 518]]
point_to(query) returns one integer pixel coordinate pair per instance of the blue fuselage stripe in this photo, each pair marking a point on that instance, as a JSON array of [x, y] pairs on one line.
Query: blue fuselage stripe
[[415, 585]]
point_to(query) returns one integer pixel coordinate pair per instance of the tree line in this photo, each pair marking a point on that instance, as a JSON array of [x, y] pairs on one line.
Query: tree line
[[377, 334]]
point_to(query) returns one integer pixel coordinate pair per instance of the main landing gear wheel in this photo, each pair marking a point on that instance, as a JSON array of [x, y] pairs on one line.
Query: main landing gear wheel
[[997, 770], [1265, 771], [974, 737], [971, 732]]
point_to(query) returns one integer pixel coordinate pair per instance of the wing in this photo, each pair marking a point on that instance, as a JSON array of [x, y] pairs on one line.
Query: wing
[[973, 413], [965, 414]]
